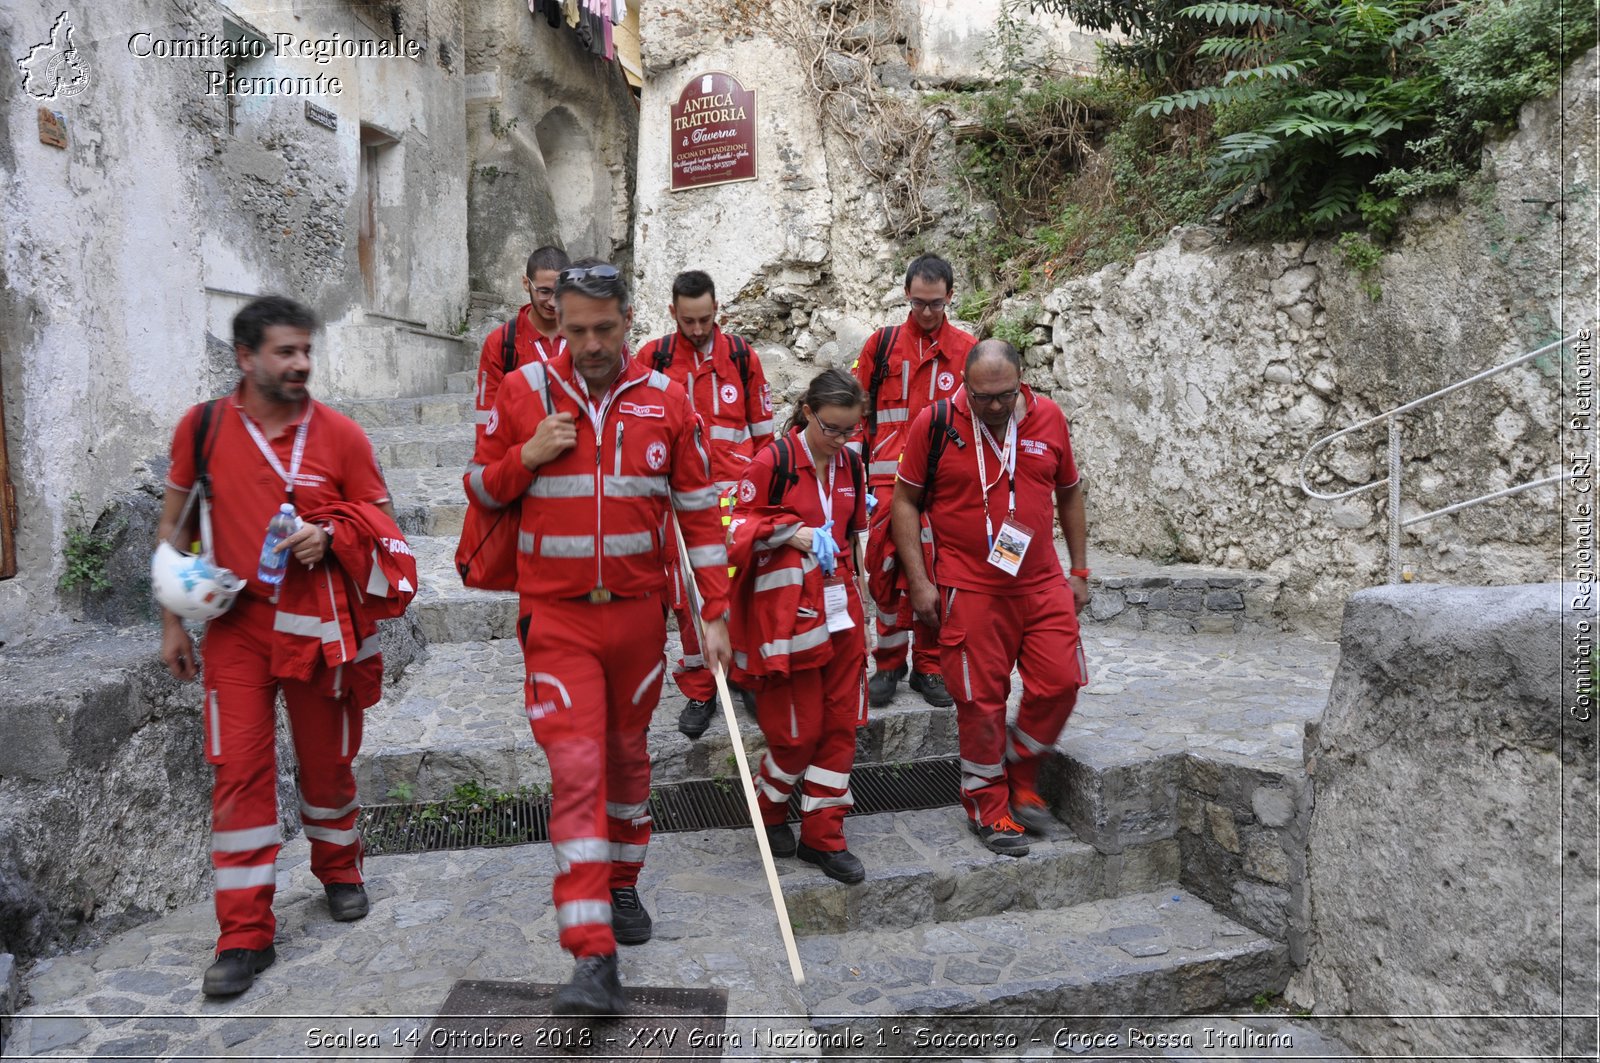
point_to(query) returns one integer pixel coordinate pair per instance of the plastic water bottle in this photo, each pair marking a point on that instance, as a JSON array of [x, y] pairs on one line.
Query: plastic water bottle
[[275, 562]]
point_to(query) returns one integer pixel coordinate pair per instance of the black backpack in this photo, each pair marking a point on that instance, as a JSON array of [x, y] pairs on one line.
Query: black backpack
[[740, 354], [202, 453], [785, 477], [940, 434], [508, 346]]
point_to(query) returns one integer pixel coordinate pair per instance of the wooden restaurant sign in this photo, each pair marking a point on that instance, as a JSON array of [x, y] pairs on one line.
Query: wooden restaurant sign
[[713, 132]]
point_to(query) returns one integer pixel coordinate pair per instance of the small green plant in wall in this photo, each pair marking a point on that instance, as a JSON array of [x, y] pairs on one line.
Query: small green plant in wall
[[88, 551], [1362, 256]]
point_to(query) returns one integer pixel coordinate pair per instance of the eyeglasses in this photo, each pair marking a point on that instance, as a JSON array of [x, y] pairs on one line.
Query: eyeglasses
[[544, 292], [978, 398], [836, 433], [936, 305], [577, 273]]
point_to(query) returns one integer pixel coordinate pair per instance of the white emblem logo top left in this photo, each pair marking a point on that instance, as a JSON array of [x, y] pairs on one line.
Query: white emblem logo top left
[[494, 421], [655, 455], [730, 394], [947, 381], [54, 69]]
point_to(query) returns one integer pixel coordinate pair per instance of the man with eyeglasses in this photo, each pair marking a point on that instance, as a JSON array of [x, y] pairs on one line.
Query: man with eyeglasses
[[904, 369], [1001, 471], [722, 374], [597, 446], [532, 335]]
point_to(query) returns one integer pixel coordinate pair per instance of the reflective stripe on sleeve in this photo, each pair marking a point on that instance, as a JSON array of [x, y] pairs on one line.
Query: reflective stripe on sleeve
[[480, 490], [706, 556], [806, 640], [698, 499]]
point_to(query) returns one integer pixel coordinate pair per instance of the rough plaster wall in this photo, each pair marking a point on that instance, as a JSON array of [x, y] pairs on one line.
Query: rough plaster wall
[[1446, 774], [953, 38], [108, 332], [1196, 378], [552, 149]]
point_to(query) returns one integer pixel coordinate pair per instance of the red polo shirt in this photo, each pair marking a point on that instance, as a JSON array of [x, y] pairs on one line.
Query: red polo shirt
[[804, 496], [338, 466], [1044, 465]]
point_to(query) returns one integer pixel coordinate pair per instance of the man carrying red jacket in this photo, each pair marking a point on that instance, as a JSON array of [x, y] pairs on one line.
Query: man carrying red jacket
[[532, 335], [993, 469], [723, 377], [597, 447], [266, 444], [904, 369]]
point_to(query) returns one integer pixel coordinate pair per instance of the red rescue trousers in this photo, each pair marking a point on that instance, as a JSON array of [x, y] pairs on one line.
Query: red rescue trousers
[[594, 676], [895, 629], [810, 720], [981, 637], [694, 679], [240, 725]]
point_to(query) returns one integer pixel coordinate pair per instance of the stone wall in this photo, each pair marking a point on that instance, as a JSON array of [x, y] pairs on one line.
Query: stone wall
[[552, 135], [1454, 800], [126, 253]]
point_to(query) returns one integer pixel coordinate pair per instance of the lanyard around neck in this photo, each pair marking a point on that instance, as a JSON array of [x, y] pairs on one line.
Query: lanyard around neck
[[288, 477], [1008, 466], [825, 497]]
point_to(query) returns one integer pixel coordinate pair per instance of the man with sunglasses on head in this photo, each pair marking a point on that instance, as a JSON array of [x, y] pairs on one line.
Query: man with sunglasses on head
[[597, 447], [992, 468], [532, 335], [904, 369], [722, 374]]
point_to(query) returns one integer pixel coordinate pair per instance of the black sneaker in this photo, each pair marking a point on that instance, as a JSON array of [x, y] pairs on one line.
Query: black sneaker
[[695, 718], [1004, 836], [347, 901], [880, 688], [780, 839], [630, 923], [595, 989], [841, 866], [932, 689], [235, 970]]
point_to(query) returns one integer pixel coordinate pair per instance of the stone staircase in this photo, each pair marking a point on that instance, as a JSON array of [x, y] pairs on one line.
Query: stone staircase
[[1175, 885]]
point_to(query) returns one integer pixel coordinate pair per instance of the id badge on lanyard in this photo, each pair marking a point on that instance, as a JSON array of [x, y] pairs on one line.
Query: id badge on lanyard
[[289, 475], [1010, 546]]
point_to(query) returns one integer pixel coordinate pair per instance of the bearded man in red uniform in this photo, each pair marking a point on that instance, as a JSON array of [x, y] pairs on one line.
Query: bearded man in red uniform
[[532, 335], [268, 443], [1000, 471], [722, 374], [903, 369], [597, 447]]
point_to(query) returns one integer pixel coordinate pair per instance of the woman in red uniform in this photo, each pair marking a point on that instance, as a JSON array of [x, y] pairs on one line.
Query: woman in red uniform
[[798, 630]]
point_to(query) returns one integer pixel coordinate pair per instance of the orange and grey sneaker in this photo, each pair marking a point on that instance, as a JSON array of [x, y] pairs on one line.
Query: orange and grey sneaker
[[1029, 809], [1004, 836]]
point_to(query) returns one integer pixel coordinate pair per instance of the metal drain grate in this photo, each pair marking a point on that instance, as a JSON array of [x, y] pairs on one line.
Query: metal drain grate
[[698, 805]]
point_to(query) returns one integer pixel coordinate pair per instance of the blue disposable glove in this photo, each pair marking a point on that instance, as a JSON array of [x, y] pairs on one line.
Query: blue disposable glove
[[872, 503], [824, 549]]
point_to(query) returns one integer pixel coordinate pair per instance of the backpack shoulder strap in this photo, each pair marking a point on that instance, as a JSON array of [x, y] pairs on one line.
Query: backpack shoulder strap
[[202, 453], [661, 357], [741, 362], [508, 345], [880, 371], [940, 433], [783, 475]]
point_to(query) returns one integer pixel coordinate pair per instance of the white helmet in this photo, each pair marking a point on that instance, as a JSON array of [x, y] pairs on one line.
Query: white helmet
[[192, 585]]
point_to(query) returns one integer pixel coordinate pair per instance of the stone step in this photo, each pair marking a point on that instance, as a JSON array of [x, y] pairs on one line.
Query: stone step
[[372, 414], [462, 383], [457, 718], [1016, 974], [928, 867], [428, 502], [422, 446], [1179, 599], [444, 610]]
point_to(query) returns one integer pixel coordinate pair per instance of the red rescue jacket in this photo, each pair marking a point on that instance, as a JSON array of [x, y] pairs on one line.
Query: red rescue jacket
[[738, 417], [918, 370], [596, 517], [327, 616]]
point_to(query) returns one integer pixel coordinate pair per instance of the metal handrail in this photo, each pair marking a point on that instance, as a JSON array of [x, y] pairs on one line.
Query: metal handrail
[[1393, 479]]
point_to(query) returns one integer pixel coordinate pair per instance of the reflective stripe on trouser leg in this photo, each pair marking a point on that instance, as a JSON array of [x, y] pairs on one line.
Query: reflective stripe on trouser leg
[[784, 713], [986, 630], [1052, 667], [241, 743], [597, 653], [693, 678], [825, 788], [327, 736]]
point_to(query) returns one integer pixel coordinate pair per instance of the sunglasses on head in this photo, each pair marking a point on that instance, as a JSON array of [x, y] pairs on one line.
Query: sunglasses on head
[[578, 273]]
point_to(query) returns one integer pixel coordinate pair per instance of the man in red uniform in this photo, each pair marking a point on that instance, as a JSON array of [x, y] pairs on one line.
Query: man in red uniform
[[723, 377], [998, 599], [532, 335], [269, 443], [597, 446], [903, 369]]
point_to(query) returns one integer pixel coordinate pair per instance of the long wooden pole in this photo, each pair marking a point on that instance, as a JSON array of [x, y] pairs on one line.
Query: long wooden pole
[[778, 906]]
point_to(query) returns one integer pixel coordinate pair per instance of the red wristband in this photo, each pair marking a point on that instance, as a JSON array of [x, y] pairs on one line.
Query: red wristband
[[1081, 573]]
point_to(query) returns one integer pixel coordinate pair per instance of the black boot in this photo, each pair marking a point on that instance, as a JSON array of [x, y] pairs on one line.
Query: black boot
[[347, 901], [630, 922], [595, 989], [880, 688], [235, 971], [695, 718]]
